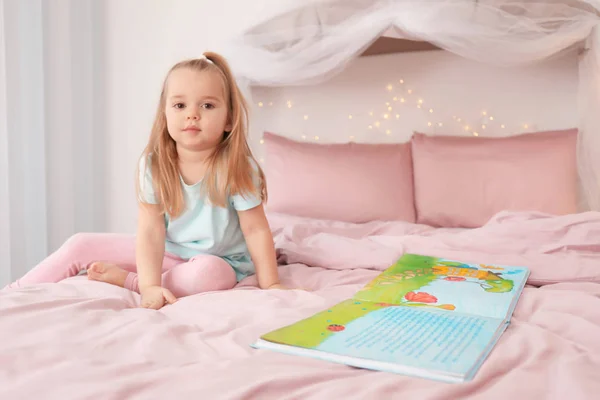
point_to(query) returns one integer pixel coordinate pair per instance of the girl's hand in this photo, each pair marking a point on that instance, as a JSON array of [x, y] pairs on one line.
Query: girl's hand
[[277, 286], [156, 297]]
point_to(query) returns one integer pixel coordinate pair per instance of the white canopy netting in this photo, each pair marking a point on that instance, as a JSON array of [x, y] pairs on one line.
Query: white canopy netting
[[308, 41]]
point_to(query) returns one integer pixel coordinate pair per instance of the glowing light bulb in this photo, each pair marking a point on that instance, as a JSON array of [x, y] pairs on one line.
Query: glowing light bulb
[[262, 141], [525, 126], [491, 118], [484, 113], [418, 106], [431, 110], [439, 124], [388, 132], [457, 119], [351, 137], [289, 104], [395, 98], [401, 80], [389, 87], [316, 138], [306, 117], [370, 126], [377, 124], [475, 134], [386, 116], [350, 116], [420, 101], [389, 108], [409, 91], [467, 127], [387, 103], [371, 113], [397, 116], [402, 100], [502, 126], [304, 137], [482, 126], [260, 103], [429, 124]]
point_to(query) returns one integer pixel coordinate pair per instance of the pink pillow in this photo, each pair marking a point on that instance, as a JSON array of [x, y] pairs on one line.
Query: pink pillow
[[347, 182], [464, 181]]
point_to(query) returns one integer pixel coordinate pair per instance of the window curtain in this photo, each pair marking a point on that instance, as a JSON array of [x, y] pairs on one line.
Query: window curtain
[[51, 96]]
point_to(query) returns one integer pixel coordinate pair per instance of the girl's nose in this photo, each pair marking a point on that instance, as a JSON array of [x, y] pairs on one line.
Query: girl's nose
[[193, 116]]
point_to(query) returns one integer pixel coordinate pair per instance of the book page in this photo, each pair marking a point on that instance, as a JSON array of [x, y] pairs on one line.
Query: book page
[[436, 341], [430, 339], [447, 285]]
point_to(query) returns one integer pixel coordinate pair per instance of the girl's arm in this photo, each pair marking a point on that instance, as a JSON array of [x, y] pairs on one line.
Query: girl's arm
[[150, 245], [259, 239]]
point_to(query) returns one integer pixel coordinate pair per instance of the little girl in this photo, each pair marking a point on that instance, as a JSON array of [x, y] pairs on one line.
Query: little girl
[[200, 192]]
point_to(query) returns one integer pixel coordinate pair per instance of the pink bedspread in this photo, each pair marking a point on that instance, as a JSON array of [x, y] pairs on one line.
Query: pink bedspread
[[86, 340]]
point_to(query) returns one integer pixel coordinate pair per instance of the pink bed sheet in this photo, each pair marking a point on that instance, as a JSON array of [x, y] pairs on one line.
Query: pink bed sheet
[[86, 340]]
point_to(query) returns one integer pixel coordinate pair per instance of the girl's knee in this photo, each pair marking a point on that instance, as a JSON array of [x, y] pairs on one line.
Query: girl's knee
[[94, 241], [80, 241], [215, 273], [85, 248]]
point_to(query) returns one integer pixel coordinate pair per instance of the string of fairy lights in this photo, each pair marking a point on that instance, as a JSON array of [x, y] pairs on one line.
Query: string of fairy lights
[[402, 97]]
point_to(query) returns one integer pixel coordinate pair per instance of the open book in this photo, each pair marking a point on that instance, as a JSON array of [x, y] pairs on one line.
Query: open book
[[424, 316]]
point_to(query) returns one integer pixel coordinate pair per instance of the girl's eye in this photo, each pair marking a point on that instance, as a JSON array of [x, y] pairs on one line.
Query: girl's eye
[[208, 106], [179, 105]]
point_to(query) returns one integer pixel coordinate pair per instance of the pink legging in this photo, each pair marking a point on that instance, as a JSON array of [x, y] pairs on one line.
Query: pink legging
[[183, 278]]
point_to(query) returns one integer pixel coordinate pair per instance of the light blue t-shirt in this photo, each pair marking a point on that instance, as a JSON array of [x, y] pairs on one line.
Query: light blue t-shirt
[[203, 228]]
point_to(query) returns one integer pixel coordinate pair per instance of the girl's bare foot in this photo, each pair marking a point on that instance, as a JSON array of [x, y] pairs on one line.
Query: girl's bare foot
[[109, 273]]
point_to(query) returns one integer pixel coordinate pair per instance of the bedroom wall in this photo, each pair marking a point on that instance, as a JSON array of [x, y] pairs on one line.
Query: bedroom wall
[[368, 102], [541, 96]]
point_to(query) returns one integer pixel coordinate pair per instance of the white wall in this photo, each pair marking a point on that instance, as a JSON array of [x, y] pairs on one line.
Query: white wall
[[543, 96], [526, 99]]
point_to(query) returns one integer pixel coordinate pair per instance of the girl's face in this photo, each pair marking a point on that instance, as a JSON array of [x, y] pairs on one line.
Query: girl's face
[[195, 108]]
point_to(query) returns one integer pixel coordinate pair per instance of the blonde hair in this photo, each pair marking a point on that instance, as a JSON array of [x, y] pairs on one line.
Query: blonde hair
[[229, 170]]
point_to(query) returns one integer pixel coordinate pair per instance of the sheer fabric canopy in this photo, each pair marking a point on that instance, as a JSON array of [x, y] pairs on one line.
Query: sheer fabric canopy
[[300, 42]]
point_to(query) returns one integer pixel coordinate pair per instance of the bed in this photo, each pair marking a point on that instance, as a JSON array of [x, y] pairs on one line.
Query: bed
[[81, 339]]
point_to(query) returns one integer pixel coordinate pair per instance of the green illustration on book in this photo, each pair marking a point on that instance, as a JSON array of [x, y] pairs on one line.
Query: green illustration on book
[[423, 316]]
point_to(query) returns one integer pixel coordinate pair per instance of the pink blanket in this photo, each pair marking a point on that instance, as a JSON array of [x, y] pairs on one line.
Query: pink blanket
[[86, 340]]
